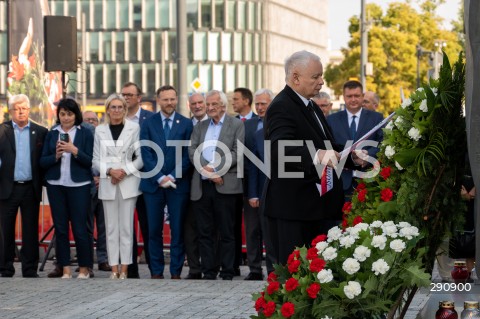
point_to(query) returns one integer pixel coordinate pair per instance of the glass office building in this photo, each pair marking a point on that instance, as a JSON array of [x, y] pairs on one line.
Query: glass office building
[[231, 43]]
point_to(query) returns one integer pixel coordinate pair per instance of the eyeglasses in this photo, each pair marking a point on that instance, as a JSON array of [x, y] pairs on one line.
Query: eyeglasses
[[128, 95], [116, 107], [324, 105], [90, 119], [22, 109]]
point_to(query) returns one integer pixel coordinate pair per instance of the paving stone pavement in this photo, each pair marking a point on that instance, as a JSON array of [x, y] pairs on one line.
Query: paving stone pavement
[[101, 297]]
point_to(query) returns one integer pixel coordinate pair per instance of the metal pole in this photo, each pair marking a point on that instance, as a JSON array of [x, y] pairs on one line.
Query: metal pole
[[83, 68], [364, 46], [182, 56], [419, 52]]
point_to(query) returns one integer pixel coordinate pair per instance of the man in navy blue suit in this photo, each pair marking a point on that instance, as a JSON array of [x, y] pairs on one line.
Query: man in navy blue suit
[[133, 95], [170, 185], [352, 123]]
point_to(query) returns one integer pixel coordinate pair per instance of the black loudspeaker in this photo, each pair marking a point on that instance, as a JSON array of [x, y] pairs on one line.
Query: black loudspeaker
[[60, 34]]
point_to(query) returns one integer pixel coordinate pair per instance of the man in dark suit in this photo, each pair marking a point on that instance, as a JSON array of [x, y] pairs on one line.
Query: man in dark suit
[[351, 124], [295, 211], [253, 219], [21, 143], [215, 184], [133, 95], [170, 185]]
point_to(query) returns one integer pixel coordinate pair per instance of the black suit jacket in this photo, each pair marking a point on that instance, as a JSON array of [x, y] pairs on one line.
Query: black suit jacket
[[298, 198], [8, 155]]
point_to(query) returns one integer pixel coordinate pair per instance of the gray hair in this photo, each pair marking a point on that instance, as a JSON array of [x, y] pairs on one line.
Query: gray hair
[[223, 96], [18, 98], [376, 98], [109, 101], [265, 91], [298, 59], [323, 95], [195, 94]]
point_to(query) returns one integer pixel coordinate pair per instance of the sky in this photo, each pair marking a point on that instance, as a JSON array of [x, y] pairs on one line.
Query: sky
[[340, 11]]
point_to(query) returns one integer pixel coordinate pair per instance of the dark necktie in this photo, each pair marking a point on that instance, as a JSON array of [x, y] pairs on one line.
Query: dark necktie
[[166, 128], [353, 128], [310, 107]]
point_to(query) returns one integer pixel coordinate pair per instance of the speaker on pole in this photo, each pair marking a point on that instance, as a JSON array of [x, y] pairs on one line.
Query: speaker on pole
[[60, 34]]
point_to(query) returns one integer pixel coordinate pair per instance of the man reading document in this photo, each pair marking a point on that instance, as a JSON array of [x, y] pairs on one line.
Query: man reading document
[[302, 147]]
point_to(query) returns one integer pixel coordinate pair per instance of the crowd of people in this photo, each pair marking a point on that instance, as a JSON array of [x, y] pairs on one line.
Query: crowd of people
[[154, 163]]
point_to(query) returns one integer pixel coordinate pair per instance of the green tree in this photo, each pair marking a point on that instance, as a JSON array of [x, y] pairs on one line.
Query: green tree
[[392, 40]]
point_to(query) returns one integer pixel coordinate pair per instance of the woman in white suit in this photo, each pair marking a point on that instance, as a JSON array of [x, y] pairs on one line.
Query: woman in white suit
[[118, 160]]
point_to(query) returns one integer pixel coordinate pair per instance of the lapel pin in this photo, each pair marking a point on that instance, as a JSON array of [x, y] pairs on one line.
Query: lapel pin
[[178, 121], [33, 132]]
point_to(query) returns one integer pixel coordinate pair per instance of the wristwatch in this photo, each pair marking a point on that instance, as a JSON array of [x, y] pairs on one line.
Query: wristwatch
[[108, 171]]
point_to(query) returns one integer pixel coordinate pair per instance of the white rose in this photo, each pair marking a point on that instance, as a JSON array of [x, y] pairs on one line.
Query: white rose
[[403, 224], [347, 241], [352, 290], [351, 266], [389, 151], [406, 103], [390, 230], [334, 233], [388, 223], [389, 126], [397, 245], [353, 233], [414, 134], [435, 91], [361, 226], [329, 253], [361, 253], [398, 121], [423, 106], [399, 167], [376, 224], [409, 232], [325, 275], [321, 246], [379, 241], [380, 267]]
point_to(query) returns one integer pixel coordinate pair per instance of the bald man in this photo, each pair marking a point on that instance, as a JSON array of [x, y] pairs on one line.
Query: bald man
[[370, 101]]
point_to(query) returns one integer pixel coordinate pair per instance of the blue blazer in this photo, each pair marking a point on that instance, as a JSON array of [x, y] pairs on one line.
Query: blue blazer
[[256, 178], [340, 127], [250, 130], [152, 130], [80, 167], [144, 114]]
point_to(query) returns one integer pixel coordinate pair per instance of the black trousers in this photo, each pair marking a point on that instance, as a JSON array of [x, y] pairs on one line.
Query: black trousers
[[23, 197], [287, 234], [216, 215], [191, 241]]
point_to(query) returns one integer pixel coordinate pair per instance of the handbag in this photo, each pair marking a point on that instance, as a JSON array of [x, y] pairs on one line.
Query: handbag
[[462, 245]]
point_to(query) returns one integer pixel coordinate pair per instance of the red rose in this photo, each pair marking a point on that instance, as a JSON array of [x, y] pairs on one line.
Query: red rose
[[269, 309], [291, 284], [318, 239], [347, 207], [344, 223], [288, 309], [260, 304], [273, 287], [362, 195], [357, 220], [293, 267], [272, 277], [385, 172], [313, 290], [317, 265], [361, 186], [386, 194], [312, 253]]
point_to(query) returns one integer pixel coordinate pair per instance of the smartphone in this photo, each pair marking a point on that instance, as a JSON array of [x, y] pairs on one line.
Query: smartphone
[[64, 137]]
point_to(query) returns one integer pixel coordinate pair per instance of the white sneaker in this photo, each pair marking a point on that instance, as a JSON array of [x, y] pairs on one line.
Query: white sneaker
[[66, 276], [83, 276]]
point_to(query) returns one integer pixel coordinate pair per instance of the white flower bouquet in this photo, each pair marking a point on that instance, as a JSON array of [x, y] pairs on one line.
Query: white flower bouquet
[[357, 272]]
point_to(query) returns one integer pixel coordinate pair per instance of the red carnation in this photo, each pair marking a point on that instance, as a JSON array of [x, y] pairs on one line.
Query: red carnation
[[288, 309], [260, 304], [269, 309], [344, 223], [312, 253], [313, 290], [293, 255], [291, 284], [271, 277], [347, 207], [386, 194], [317, 265], [362, 195], [318, 239], [293, 266], [385, 172], [361, 186], [273, 287], [357, 220]]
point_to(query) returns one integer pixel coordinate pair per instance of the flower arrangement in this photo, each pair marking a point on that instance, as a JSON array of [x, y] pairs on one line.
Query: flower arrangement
[[358, 272]]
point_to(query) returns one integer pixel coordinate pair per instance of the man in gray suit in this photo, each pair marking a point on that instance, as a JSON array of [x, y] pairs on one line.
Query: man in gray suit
[[215, 184]]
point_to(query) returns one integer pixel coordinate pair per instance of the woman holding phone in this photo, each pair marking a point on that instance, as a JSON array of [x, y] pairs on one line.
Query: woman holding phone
[[67, 160]]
